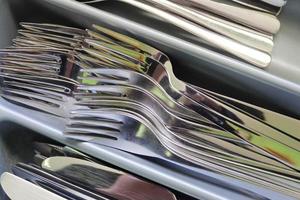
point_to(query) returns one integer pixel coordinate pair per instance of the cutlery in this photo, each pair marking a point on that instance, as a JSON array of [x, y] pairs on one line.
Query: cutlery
[[53, 183], [89, 128], [142, 110], [278, 3], [47, 184], [225, 8], [105, 180], [228, 29], [19, 189], [135, 79], [287, 124], [141, 96], [261, 6], [245, 119], [226, 113], [262, 21], [104, 99], [49, 150], [251, 55], [152, 51], [246, 53], [191, 169], [125, 145]]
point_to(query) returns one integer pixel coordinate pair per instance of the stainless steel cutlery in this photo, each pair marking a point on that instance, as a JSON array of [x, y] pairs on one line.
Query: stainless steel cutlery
[[60, 172], [230, 25], [19, 189], [116, 91]]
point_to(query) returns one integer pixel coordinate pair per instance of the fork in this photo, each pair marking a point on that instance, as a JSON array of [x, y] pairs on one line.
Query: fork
[[98, 76], [206, 142], [89, 95], [233, 126], [215, 111], [120, 122], [107, 95], [209, 155], [246, 53], [226, 28], [288, 124]]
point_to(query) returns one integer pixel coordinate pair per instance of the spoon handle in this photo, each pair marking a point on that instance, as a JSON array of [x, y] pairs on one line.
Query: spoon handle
[[258, 20], [278, 3], [249, 54], [260, 6], [232, 30]]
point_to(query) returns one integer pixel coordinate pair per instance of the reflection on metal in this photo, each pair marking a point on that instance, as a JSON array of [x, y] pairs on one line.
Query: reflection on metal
[[117, 91]]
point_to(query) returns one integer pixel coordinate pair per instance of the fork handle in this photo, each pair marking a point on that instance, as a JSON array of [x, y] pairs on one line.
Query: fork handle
[[251, 55]]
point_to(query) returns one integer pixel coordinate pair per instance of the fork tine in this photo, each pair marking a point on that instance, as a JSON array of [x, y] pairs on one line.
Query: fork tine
[[94, 81], [128, 53], [50, 37], [37, 105], [113, 90], [49, 94], [8, 69], [32, 57], [86, 131], [119, 61], [99, 37], [31, 95], [52, 28], [94, 62], [106, 115], [55, 81], [32, 65], [80, 119], [135, 43], [34, 42], [116, 55], [119, 73], [49, 88]]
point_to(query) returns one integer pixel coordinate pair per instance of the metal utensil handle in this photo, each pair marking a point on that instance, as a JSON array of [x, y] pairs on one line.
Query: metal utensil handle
[[251, 55]]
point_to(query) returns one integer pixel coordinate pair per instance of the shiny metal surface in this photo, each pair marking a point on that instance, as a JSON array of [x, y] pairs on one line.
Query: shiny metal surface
[[123, 125], [227, 115], [276, 120], [125, 106], [200, 141], [231, 30], [53, 183], [259, 5], [246, 53], [278, 3], [124, 93], [229, 188], [113, 93], [19, 189], [268, 88], [258, 20], [105, 180], [134, 79], [157, 66], [108, 154]]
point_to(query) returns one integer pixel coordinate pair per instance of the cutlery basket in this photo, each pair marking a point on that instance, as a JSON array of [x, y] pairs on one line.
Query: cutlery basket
[[276, 88]]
